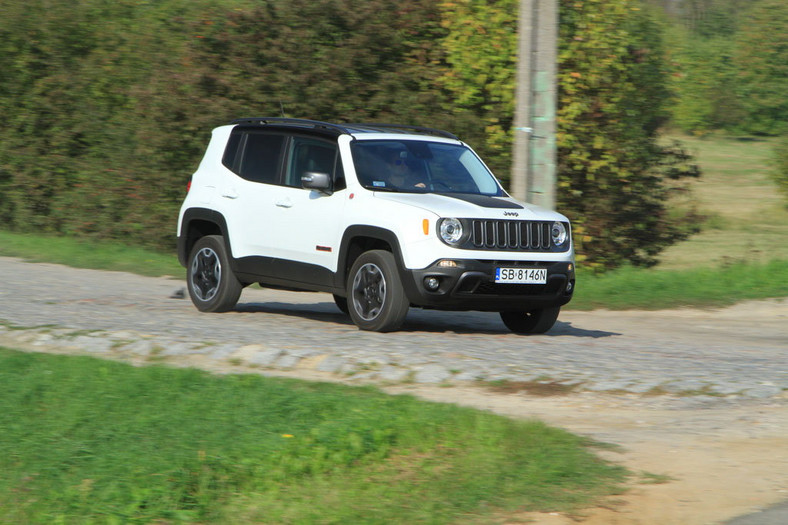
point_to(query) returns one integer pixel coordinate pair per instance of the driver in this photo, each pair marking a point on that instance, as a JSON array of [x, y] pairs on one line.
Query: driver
[[400, 174]]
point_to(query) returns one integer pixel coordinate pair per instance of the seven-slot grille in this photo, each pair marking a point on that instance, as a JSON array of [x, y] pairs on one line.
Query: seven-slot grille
[[495, 234]]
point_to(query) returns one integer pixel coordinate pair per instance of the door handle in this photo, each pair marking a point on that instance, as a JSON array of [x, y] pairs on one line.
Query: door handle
[[230, 194], [284, 203]]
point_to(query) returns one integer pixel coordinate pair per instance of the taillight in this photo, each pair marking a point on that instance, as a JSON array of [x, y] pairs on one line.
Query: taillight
[[189, 185]]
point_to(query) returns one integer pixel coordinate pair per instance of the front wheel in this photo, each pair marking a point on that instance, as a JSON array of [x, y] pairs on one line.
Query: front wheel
[[375, 297], [532, 321], [213, 287]]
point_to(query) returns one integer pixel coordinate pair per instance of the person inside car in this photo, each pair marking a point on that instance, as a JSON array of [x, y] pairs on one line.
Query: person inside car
[[400, 174]]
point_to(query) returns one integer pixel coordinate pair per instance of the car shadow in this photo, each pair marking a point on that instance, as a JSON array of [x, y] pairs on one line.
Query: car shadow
[[429, 321], [566, 328], [325, 312]]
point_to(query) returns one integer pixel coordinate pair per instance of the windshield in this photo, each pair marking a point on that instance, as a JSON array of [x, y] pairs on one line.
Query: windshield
[[414, 166]]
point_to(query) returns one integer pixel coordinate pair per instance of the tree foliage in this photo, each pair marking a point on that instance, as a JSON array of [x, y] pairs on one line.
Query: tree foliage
[[614, 178], [729, 64], [107, 107], [481, 53], [761, 58], [613, 174]]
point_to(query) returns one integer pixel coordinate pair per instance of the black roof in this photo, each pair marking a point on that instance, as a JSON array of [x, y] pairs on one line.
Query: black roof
[[340, 129]]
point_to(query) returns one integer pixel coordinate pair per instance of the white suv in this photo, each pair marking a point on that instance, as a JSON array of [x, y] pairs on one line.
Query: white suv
[[383, 217]]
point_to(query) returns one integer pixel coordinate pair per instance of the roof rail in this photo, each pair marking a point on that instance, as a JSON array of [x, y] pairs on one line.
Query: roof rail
[[401, 127], [291, 122], [343, 128]]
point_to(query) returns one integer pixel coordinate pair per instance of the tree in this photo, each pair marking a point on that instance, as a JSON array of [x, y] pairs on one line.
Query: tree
[[613, 174], [481, 53], [704, 82], [761, 58], [614, 178]]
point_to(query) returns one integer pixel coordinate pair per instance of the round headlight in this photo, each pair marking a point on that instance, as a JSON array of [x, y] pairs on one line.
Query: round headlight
[[451, 231], [558, 232]]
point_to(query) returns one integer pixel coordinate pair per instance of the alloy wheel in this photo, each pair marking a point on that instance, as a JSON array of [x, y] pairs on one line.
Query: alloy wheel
[[369, 291], [206, 274]]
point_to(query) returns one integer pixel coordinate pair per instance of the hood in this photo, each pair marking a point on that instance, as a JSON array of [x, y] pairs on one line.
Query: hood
[[465, 205]]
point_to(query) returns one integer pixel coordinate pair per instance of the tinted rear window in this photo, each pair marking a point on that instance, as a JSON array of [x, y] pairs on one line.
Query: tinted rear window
[[261, 156]]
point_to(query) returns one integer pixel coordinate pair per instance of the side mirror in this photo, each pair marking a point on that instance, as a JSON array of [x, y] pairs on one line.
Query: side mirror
[[313, 180]]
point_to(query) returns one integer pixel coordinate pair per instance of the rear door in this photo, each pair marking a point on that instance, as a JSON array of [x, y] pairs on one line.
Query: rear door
[[251, 193]]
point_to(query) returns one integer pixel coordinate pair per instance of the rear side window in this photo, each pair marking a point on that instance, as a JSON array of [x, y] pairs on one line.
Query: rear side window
[[231, 151], [262, 153]]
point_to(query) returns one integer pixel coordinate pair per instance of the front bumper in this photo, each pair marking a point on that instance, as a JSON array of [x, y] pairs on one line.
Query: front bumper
[[471, 286]]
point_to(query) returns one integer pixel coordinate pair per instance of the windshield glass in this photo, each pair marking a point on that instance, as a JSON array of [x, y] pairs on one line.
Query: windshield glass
[[414, 166]]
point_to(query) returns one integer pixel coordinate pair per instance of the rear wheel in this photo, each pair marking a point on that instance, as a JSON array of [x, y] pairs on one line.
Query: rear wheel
[[536, 321], [213, 286], [375, 297]]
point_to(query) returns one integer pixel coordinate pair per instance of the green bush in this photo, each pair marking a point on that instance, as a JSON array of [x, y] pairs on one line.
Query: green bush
[[704, 83]]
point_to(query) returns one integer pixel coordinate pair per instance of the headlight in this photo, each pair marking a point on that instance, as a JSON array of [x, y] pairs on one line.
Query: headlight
[[450, 231], [558, 232]]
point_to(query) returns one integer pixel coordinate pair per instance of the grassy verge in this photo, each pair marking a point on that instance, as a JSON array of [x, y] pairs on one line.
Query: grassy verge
[[95, 255], [654, 289], [88, 441]]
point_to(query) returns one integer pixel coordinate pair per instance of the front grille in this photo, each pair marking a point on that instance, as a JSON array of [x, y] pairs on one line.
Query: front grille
[[511, 235]]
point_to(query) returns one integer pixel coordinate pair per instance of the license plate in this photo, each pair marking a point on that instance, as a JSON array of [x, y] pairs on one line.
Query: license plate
[[521, 275]]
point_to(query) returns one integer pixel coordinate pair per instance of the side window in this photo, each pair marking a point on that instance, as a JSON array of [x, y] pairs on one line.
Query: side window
[[309, 155], [261, 156], [231, 151]]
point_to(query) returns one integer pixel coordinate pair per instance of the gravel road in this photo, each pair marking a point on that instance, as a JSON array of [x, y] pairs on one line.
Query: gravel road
[[739, 351], [699, 397]]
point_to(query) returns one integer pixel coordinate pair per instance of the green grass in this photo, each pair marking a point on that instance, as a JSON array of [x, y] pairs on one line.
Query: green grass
[[654, 289], [95, 255], [91, 441], [746, 216], [741, 253]]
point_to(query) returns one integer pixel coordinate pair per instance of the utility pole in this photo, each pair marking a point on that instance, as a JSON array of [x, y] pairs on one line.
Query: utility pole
[[534, 156]]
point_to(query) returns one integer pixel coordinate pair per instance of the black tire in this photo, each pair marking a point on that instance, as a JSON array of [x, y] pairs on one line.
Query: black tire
[[213, 287], [341, 303], [375, 296], [531, 322]]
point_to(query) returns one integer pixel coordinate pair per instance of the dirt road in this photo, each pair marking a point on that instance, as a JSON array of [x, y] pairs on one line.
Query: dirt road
[[695, 399]]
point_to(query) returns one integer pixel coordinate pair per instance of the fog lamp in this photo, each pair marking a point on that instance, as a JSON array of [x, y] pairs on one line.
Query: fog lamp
[[432, 283]]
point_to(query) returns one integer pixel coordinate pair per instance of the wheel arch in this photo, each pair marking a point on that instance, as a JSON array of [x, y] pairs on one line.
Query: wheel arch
[[197, 223], [362, 238]]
